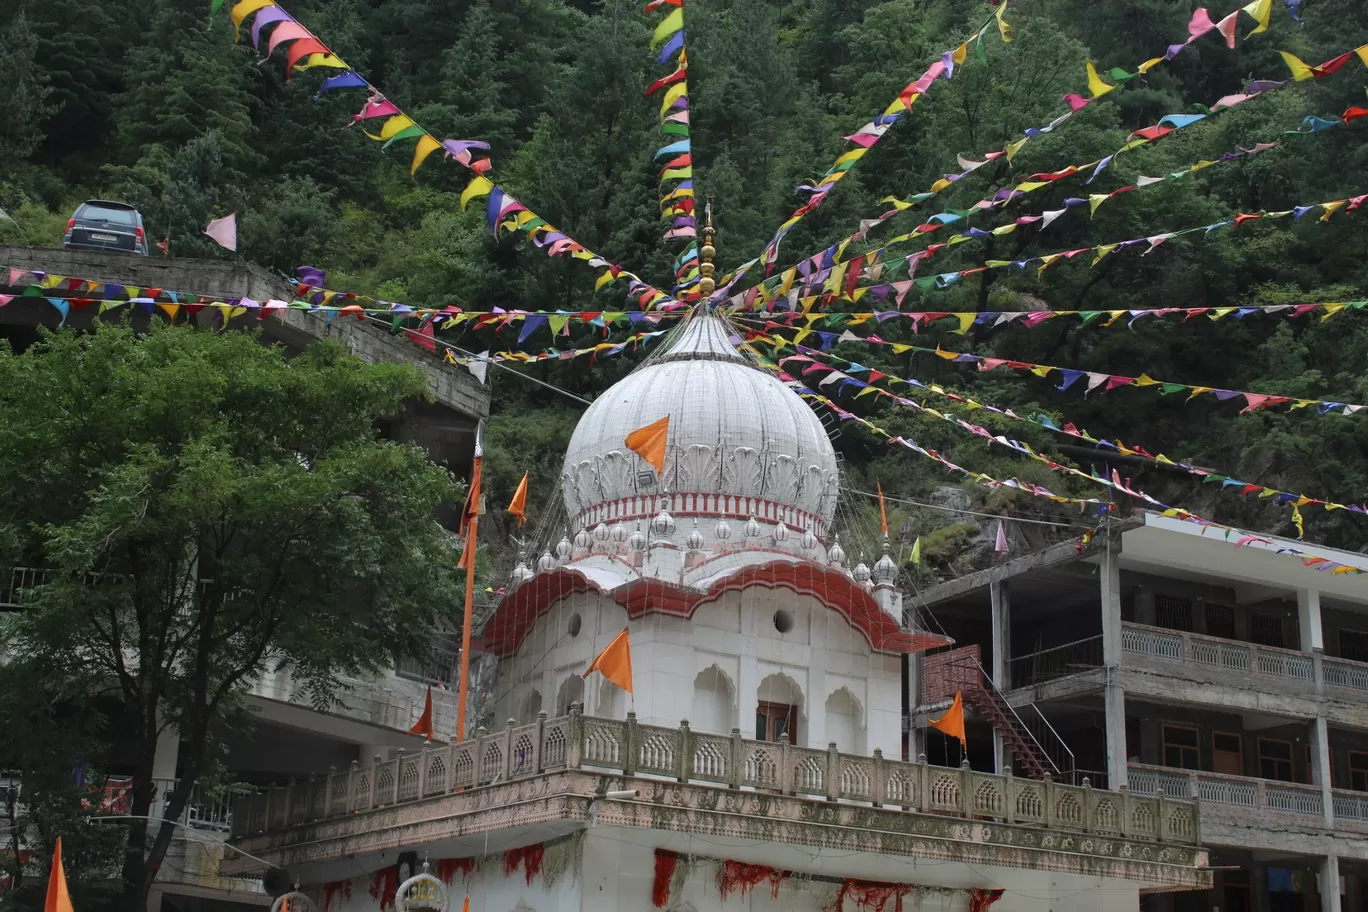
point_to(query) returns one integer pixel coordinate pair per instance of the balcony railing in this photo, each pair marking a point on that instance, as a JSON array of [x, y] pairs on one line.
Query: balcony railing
[[1057, 662], [1212, 652], [680, 754], [1344, 673], [1231, 791], [207, 809]]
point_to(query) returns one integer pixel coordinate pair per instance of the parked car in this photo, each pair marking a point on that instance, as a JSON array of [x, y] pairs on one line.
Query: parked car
[[106, 225]]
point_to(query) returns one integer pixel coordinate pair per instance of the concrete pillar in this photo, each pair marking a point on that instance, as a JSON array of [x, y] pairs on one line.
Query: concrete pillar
[[1309, 621], [1115, 698], [1001, 625], [1321, 767], [1329, 884], [1111, 602], [1002, 633], [812, 730]]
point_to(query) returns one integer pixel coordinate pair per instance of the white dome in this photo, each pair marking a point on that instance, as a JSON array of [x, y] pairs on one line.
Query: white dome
[[735, 431]]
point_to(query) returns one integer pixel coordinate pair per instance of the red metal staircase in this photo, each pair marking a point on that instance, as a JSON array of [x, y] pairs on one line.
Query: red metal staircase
[[960, 670]]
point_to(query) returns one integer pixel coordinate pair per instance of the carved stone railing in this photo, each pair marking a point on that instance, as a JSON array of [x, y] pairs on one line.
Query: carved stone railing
[[584, 742], [1213, 652], [1344, 673]]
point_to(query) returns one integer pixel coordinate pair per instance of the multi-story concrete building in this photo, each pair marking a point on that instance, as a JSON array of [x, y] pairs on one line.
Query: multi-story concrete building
[[1169, 659]]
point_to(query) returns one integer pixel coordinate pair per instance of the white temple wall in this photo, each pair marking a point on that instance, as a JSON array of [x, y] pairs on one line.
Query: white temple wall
[[819, 652]]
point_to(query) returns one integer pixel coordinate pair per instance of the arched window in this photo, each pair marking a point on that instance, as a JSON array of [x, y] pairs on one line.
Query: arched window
[[714, 702], [778, 709], [571, 691], [531, 705], [845, 722]]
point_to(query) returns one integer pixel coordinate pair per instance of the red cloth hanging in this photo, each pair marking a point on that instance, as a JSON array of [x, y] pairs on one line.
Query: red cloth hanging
[[665, 862], [736, 876], [980, 899], [529, 856]]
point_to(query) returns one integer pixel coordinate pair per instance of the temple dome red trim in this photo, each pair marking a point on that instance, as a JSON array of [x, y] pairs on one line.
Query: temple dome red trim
[[516, 614]]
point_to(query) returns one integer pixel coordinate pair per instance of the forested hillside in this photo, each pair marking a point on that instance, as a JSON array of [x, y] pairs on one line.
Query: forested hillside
[[154, 103]]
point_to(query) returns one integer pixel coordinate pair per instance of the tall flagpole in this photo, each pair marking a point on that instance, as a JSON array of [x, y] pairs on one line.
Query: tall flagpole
[[468, 558]]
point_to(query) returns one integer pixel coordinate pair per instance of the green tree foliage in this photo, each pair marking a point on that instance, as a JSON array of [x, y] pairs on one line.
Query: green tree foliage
[[175, 117], [214, 509]]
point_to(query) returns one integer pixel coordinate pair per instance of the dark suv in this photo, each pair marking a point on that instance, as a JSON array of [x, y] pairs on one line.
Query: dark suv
[[104, 225]]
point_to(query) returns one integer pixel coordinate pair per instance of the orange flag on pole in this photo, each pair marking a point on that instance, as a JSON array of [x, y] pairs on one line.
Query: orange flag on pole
[[952, 723], [883, 514], [58, 899], [615, 662], [649, 442], [518, 507], [424, 724]]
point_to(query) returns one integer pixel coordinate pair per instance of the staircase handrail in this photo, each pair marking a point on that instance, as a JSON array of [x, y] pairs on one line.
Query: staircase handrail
[[1073, 761], [985, 678]]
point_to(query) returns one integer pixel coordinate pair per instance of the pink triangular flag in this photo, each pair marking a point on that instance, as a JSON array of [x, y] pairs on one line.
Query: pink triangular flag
[[1227, 28], [224, 231], [1201, 24], [5, 299], [1000, 546]]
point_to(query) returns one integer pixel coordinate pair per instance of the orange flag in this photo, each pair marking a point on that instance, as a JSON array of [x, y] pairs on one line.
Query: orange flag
[[518, 507], [58, 899], [424, 724], [952, 723], [615, 662], [649, 442], [883, 514]]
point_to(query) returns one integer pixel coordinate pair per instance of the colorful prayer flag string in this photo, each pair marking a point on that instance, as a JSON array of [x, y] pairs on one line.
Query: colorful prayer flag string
[[842, 279], [1115, 482], [823, 361], [862, 140], [993, 319], [816, 268], [677, 198], [502, 210], [1108, 382]]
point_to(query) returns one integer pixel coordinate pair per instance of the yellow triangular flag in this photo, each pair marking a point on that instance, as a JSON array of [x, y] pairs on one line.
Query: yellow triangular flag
[[915, 556], [1096, 87]]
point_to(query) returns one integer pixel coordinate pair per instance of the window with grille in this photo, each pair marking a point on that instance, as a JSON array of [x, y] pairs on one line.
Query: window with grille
[[1173, 613], [1353, 645], [1266, 630], [1275, 759], [1220, 621], [1180, 747]]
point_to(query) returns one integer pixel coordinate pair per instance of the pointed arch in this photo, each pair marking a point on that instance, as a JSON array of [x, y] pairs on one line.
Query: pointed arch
[[714, 701]]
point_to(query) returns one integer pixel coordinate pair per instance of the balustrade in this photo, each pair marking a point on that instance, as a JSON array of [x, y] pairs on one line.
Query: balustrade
[[1226, 655], [679, 754], [1231, 791]]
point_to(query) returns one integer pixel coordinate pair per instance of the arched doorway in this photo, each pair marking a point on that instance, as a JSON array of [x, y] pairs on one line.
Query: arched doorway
[[845, 722], [779, 709], [714, 702]]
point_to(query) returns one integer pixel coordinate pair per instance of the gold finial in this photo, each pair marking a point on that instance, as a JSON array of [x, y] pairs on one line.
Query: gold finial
[[706, 284]]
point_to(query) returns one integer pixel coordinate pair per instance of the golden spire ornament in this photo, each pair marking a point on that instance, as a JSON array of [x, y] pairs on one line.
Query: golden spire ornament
[[706, 284]]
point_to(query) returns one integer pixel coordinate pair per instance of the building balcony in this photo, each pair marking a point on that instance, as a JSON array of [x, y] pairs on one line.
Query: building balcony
[[563, 771], [1236, 809], [1339, 685]]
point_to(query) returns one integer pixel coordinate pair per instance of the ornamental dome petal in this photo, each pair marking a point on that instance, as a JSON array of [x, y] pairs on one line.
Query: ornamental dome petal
[[601, 532], [735, 430], [619, 534], [885, 571], [663, 524], [563, 548], [810, 541], [781, 533], [722, 532], [522, 573], [861, 573], [582, 539], [752, 529], [547, 562], [836, 556], [637, 541], [695, 540]]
